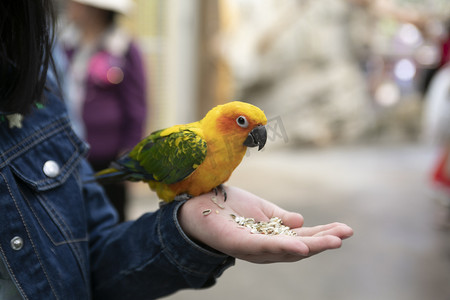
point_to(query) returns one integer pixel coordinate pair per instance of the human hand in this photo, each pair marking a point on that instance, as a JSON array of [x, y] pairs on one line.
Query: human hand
[[220, 232]]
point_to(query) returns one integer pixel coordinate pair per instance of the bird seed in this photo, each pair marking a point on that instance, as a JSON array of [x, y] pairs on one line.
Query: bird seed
[[273, 227], [214, 200], [206, 212]]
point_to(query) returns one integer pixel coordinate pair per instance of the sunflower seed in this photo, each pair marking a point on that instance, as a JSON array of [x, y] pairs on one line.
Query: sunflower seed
[[214, 200], [206, 212]]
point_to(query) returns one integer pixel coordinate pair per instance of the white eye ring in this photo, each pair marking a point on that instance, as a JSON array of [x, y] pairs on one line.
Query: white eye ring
[[242, 121]]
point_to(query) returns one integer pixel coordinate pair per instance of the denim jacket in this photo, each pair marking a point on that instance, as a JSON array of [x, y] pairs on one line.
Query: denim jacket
[[58, 235]]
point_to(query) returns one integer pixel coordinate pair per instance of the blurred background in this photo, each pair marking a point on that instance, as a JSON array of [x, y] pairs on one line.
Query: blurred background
[[345, 85]]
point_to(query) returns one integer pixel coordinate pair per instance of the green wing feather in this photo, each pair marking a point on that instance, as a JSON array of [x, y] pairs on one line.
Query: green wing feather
[[170, 158]]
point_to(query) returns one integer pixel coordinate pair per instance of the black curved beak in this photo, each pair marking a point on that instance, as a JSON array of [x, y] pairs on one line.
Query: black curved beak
[[256, 137]]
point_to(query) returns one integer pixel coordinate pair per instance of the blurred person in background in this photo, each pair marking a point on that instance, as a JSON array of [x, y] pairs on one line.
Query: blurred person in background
[[437, 131], [437, 126], [106, 86], [445, 45], [442, 42]]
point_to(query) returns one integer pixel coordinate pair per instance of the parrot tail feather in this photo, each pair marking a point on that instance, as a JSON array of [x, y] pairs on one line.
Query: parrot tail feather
[[110, 175]]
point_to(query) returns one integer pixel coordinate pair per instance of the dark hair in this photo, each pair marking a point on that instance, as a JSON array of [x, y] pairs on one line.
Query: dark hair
[[26, 39]]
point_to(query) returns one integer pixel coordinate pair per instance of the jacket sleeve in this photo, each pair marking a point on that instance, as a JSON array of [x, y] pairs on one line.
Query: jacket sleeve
[[147, 258]]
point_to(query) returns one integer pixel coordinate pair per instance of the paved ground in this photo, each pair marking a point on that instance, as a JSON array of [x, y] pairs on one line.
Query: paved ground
[[397, 251]]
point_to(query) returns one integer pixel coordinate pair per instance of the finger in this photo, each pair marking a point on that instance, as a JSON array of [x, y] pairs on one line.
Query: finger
[[311, 231], [272, 258], [291, 219], [277, 252], [259, 245], [336, 229], [267, 209], [322, 243], [340, 230]]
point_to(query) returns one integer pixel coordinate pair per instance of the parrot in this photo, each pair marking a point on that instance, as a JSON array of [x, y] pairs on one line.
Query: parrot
[[188, 160]]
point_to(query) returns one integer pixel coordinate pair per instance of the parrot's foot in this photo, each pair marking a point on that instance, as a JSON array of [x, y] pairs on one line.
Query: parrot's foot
[[183, 197], [221, 188]]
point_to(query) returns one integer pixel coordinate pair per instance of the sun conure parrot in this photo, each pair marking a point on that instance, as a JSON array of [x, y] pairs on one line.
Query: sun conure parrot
[[188, 160]]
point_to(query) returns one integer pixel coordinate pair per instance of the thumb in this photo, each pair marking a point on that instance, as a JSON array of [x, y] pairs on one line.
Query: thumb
[[293, 220]]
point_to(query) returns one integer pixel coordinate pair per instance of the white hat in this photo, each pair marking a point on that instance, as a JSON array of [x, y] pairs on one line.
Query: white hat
[[120, 6]]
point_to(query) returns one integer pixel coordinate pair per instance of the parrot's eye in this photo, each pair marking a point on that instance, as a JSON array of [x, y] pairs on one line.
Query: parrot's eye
[[242, 121]]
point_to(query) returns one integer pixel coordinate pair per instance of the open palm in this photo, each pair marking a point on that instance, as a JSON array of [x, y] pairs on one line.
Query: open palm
[[218, 230]]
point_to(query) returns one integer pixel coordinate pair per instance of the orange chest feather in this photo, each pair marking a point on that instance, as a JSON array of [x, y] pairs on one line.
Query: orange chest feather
[[221, 160]]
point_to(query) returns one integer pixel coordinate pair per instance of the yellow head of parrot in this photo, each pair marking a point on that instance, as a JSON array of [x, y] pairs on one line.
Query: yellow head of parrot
[[239, 121]]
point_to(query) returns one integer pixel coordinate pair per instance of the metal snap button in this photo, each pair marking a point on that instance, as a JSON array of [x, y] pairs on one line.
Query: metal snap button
[[17, 243], [51, 169]]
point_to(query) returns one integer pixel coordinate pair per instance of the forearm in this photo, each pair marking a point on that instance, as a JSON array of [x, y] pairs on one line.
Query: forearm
[[152, 257]]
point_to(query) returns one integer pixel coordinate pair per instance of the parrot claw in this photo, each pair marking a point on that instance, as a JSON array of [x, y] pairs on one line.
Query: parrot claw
[[222, 190], [183, 197]]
